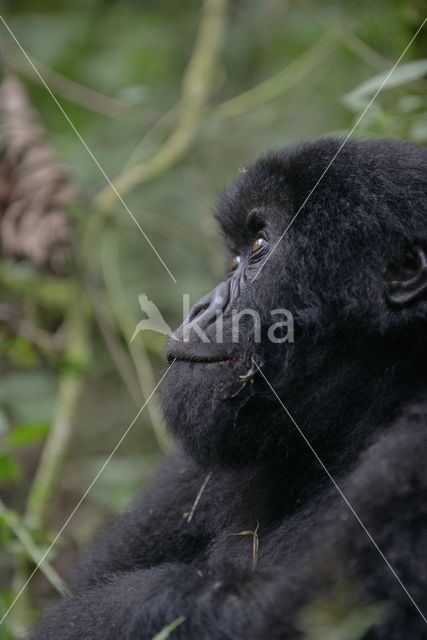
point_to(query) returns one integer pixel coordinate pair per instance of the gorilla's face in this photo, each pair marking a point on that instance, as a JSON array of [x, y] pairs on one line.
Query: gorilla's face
[[306, 287], [211, 386]]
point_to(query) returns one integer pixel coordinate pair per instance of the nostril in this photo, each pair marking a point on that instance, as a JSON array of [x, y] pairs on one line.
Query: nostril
[[209, 305], [197, 310]]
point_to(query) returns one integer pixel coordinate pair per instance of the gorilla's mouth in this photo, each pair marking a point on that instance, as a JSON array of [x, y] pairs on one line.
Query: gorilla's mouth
[[202, 352]]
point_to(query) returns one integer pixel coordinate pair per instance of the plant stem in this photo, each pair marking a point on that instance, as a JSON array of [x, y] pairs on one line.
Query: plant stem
[[196, 88], [127, 321], [70, 383], [271, 88], [17, 526], [53, 293], [47, 474]]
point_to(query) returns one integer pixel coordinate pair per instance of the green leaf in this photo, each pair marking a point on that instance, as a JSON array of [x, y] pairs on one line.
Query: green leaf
[[165, 633], [4, 423], [121, 479], [419, 130], [405, 73], [339, 616], [9, 469], [25, 434], [5, 602]]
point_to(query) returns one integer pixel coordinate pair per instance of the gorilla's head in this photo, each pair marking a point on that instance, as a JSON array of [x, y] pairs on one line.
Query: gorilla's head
[[326, 293]]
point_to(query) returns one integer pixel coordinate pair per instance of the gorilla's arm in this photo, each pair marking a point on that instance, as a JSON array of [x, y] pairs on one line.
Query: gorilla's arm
[[234, 603], [380, 560], [136, 577], [154, 531], [388, 491], [226, 605]]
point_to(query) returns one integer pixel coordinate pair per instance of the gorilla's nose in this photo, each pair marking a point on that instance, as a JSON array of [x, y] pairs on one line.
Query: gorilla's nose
[[193, 342], [207, 310]]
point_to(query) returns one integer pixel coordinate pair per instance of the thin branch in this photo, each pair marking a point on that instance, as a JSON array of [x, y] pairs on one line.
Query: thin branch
[[46, 478], [76, 92], [45, 342], [196, 237], [255, 542], [117, 351], [166, 631], [358, 47], [196, 88], [17, 526], [155, 131], [70, 383], [269, 89], [127, 321], [198, 497], [53, 293], [348, 39]]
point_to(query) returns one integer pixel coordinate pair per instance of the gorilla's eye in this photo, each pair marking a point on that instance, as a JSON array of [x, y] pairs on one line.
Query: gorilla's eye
[[258, 244], [408, 266], [411, 264], [235, 263]]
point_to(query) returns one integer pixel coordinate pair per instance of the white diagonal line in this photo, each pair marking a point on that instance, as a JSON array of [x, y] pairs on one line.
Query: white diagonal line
[[362, 115], [342, 494], [64, 113], [60, 532]]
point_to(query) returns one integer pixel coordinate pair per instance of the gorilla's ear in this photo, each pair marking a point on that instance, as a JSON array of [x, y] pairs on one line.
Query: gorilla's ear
[[406, 281]]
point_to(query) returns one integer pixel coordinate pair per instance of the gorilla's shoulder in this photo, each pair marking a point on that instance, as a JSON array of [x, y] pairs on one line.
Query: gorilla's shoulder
[[391, 473]]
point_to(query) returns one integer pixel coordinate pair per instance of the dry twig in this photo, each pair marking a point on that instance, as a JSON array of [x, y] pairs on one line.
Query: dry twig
[[189, 516]]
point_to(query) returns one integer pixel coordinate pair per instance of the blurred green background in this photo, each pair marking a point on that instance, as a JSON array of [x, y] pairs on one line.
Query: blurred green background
[[172, 98]]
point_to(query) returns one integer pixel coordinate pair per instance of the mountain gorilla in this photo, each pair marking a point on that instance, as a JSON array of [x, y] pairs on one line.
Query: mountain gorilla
[[296, 504]]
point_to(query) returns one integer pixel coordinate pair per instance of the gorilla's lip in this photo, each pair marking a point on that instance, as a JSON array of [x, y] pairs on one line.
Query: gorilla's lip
[[202, 352]]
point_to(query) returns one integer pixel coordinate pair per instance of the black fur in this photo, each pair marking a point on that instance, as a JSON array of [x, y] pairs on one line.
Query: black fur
[[355, 383]]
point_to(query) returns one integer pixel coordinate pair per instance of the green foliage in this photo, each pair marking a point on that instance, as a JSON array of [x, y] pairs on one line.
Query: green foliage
[[9, 469], [166, 632], [286, 72], [122, 478], [400, 110], [326, 622], [340, 613], [25, 434], [360, 97], [5, 601]]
